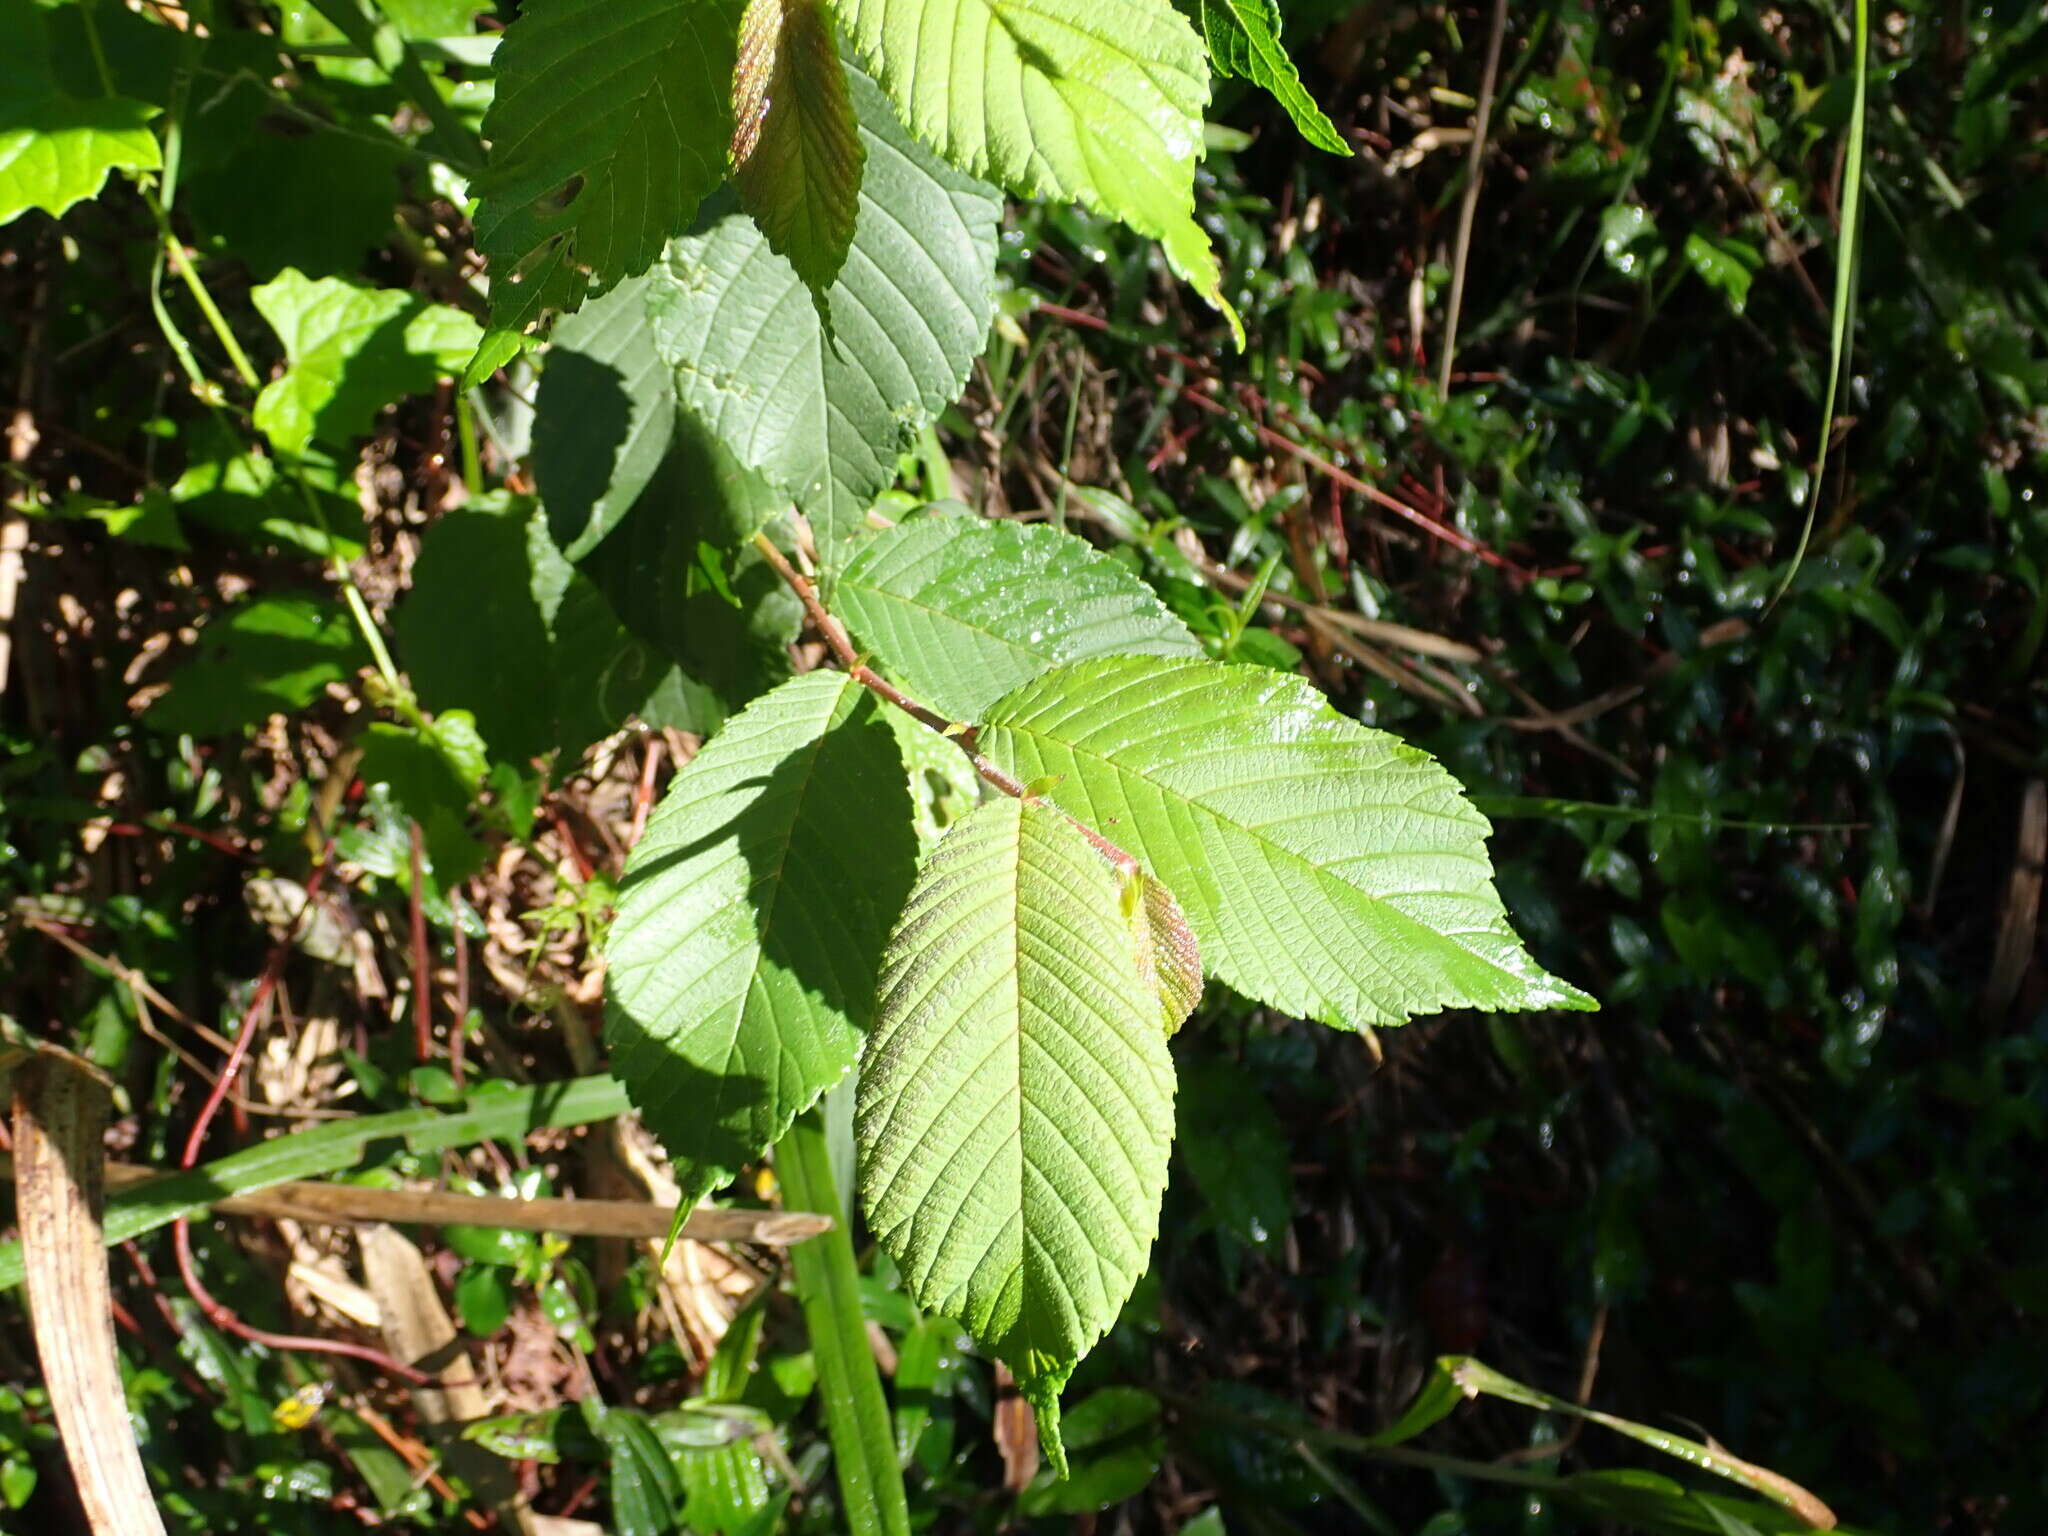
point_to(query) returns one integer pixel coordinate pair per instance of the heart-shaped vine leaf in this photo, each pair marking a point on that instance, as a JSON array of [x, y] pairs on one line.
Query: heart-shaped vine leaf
[[1329, 870], [1016, 1102], [966, 609], [750, 920]]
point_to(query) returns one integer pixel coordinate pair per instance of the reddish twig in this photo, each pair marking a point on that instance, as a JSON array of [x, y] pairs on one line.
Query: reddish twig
[[218, 1314], [422, 999], [643, 794], [1351, 482], [253, 1019], [458, 1030], [841, 645]]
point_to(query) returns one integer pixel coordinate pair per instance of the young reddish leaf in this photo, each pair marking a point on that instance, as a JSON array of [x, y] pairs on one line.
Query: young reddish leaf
[[1169, 960], [796, 151]]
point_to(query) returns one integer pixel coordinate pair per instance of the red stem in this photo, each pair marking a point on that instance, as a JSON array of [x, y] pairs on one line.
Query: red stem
[[841, 645], [422, 996], [181, 1229]]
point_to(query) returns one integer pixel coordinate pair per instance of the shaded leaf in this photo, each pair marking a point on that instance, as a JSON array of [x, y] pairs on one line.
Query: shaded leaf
[[681, 572], [602, 419], [499, 624], [796, 154], [750, 921], [258, 660], [609, 125]]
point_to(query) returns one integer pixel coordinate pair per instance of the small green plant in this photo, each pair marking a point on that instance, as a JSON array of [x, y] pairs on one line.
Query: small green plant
[[1149, 814], [753, 247]]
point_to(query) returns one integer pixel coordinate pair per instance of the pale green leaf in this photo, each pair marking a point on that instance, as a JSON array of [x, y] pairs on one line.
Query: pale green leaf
[[796, 154], [943, 784], [750, 921], [352, 351], [609, 125], [966, 609], [58, 150], [1097, 101], [1244, 40], [1329, 870], [822, 415], [1016, 1101]]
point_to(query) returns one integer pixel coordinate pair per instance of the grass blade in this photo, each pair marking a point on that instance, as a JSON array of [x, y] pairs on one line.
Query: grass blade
[[828, 1286], [1844, 303], [341, 1144]]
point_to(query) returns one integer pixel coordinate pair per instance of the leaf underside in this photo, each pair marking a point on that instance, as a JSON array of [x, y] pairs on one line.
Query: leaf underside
[[796, 151], [966, 609], [1328, 870], [1095, 101], [1016, 1102]]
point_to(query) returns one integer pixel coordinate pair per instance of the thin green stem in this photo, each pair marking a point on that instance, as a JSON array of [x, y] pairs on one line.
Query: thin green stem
[[374, 639], [181, 260], [472, 463], [828, 1288], [1844, 302]]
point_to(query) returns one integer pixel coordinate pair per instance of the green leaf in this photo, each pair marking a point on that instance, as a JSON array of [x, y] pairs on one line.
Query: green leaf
[[1244, 41], [682, 573], [1239, 1161], [327, 197], [353, 350], [796, 154], [966, 609], [1725, 265], [609, 125], [261, 659], [1329, 870], [603, 417], [434, 773], [1096, 101], [485, 1299], [497, 623], [58, 150], [238, 492], [822, 416], [750, 919], [1016, 1101]]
